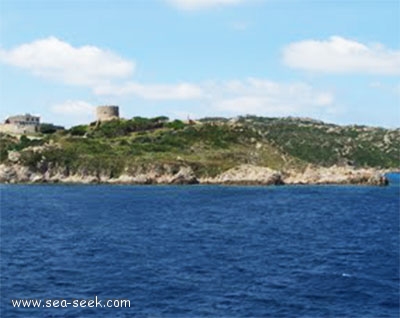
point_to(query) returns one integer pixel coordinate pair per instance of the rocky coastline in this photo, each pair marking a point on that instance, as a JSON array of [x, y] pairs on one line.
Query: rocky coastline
[[247, 150], [245, 174]]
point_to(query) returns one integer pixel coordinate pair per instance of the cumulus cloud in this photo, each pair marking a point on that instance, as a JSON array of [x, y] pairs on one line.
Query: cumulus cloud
[[58, 60], [181, 91], [108, 75], [73, 108], [103, 71], [191, 5], [265, 97], [253, 95], [340, 55]]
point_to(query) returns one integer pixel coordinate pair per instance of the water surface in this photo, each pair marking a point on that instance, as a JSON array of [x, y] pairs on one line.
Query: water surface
[[202, 250]]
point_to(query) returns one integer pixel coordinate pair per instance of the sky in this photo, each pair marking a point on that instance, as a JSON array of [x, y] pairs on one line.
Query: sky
[[336, 61]]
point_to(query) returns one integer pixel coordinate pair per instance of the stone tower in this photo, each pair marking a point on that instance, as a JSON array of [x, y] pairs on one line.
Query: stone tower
[[104, 113]]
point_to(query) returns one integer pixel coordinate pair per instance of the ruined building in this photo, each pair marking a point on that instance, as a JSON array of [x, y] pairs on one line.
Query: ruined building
[[105, 113], [21, 124]]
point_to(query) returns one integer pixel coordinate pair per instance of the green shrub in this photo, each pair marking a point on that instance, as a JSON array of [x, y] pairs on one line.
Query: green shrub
[[176, 124], [118, 128], [30, 159], [160, 119], [3, 154], [78, 130], [49, 128]]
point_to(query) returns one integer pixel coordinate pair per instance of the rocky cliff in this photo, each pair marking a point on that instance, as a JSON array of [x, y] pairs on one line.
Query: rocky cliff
[[240, 175]]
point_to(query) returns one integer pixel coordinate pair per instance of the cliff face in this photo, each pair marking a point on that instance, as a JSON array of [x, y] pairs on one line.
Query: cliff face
[[241, 175], [20, 174]]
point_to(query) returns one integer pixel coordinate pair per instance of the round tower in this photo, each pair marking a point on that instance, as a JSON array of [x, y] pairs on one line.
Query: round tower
[[105, 113]]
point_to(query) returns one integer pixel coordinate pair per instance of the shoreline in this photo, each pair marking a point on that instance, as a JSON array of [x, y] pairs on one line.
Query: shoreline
[[242, 175]]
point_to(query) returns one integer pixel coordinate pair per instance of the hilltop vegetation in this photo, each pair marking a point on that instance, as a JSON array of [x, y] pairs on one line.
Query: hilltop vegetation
[[209, 146], [327, 144]]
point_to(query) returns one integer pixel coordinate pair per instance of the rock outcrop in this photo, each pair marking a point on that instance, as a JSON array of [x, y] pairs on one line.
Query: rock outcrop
[[240, 175], [247, 174], [184, 176], [19, 174], [336, 175]]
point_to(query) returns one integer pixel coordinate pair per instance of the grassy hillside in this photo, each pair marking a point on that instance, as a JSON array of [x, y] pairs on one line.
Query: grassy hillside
[[327, 144], [210, 146]]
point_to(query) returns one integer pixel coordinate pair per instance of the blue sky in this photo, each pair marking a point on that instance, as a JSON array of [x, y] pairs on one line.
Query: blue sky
[[338, 61]]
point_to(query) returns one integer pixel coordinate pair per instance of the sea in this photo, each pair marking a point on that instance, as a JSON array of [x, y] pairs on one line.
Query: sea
[[200, 251]]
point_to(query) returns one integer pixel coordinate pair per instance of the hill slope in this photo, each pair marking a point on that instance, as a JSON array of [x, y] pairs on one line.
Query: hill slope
[[209, 147]]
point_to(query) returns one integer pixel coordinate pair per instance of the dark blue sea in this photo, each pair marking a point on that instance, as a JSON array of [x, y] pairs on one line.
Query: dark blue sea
[[190, 251]]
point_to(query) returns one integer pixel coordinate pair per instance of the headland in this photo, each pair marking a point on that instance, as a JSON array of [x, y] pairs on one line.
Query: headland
[[243, 150]]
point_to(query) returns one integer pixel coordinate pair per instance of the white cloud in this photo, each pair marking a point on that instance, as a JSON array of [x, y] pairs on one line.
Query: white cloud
[[249, 105], [253, 95], [108, 75], [191, 5], [340, 55], [54, 59], [74, 109], [92, 67], [264, 97], [181, 91]]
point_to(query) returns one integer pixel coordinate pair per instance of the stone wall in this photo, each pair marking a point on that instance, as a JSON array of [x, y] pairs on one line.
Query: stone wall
[[105, 113], [18, 129]]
